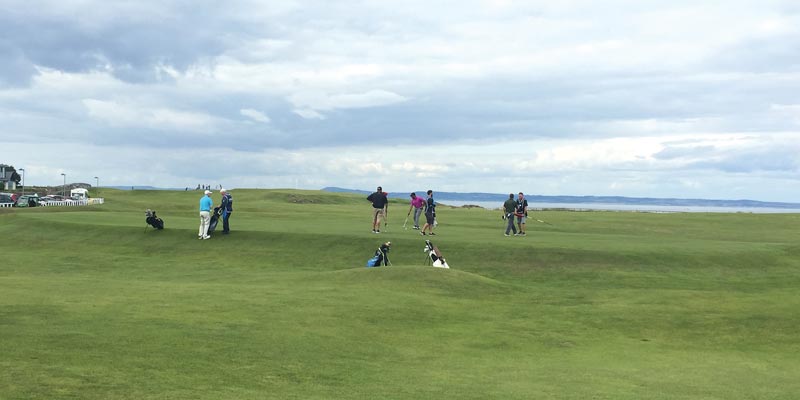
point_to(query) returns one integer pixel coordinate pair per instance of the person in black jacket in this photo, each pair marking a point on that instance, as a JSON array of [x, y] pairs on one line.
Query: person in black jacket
[[380, 205], [227, 209], [430, 214]]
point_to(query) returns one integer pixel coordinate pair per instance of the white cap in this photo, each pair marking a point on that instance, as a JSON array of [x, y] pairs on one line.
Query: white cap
[[223, 191], [208, 192]]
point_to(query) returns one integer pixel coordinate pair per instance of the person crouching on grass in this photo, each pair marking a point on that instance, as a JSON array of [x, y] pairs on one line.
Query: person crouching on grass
[[380, 205]]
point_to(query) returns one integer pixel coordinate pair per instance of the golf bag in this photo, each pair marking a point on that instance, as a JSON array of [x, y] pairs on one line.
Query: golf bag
[[434, 256], [215, 217], [153, 220], [381, 257]]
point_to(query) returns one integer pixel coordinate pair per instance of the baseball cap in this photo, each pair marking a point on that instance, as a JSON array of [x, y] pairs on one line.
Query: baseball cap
[[208, 192]]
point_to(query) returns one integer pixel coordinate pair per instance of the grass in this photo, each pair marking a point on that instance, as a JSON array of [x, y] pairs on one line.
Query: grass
[[601, 305]]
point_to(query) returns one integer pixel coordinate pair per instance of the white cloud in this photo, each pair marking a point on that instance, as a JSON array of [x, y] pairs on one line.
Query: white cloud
[[308, 113], [255, 115], [631, 98], [132, 116]]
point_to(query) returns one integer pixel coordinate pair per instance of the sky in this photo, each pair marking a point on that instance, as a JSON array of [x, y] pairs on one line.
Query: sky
[[679, 99]]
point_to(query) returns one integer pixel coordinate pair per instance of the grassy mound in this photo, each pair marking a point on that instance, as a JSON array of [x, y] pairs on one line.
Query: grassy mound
[[599, 305]]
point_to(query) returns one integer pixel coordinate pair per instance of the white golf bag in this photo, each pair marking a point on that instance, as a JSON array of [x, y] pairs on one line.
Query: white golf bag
[[433, 256]]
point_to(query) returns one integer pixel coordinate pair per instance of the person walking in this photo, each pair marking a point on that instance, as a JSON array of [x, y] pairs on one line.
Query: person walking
[[508, 214], [430, 214], [418, 205], [226, 206], [205, 215], [380, 206], [521, 212]]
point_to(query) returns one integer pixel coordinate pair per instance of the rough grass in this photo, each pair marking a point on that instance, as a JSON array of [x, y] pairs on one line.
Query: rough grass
[[602, 305]]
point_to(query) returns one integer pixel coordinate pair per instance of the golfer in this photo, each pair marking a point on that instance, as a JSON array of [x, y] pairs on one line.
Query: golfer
[[380, 205], [227, 209], [508, 213], [521, 212], [430, 214], [418, 205], [205, 215]]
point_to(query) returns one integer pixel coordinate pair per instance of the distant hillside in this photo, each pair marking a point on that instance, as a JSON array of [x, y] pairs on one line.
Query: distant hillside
[[649, 201], [142, 188]]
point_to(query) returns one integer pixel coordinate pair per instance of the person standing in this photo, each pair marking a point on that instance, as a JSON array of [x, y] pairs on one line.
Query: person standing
[[521, 212], [509, 207], [205, 215], [418, 205], [430, 214], [227, 209], [380, 205]]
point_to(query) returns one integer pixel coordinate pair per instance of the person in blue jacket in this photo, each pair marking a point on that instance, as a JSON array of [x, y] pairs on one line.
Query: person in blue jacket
[[205, 215]]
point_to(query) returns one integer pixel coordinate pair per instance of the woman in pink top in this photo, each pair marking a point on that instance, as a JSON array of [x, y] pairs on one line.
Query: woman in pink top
[[417, 204]]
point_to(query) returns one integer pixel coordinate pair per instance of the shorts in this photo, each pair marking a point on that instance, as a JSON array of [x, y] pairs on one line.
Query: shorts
[[377, 213], [521, 220], [429, 218]]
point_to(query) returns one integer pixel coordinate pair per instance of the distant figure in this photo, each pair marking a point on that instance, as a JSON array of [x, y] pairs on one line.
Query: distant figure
[[418, 205], [205, 215], [226, 206], [380, 205], [430, 214], [508, 213], [521, 212]]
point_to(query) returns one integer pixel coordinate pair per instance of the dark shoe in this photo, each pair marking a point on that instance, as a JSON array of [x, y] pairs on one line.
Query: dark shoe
[[422, 233], [432, 234]]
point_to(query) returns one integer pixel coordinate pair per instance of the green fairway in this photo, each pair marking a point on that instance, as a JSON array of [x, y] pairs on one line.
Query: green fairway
[[600, 305]]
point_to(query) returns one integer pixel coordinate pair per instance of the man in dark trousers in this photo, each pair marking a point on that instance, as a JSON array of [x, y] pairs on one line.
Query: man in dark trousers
[[227, 209], [430, 214], [380, 205], [508, 213]]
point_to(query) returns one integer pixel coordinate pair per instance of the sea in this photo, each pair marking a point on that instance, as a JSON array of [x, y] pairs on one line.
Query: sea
[[492, 205]]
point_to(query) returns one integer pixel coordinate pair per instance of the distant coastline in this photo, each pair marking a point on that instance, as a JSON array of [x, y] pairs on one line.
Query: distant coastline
[[615, 203]]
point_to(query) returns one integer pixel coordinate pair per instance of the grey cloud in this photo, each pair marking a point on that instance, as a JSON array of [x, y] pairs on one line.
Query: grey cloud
[[79, 40], [775, 160]]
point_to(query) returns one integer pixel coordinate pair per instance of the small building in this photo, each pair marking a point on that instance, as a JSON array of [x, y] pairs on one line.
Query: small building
[[6, 173]]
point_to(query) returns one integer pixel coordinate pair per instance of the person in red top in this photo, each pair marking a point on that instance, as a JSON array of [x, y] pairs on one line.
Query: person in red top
[[418, 205]]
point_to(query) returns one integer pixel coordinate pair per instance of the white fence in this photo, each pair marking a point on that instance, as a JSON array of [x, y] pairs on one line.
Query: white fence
[[73, 203], [67, 203]]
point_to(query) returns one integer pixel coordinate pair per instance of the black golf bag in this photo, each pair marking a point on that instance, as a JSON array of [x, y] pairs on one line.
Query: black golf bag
[[153, 220], [381, 257], [215, 217]]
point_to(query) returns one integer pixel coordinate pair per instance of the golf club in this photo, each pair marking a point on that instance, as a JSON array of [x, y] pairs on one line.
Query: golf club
[[544, 222]]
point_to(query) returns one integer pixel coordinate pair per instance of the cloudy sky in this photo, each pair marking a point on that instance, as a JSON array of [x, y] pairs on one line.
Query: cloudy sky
[[635, 98]]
